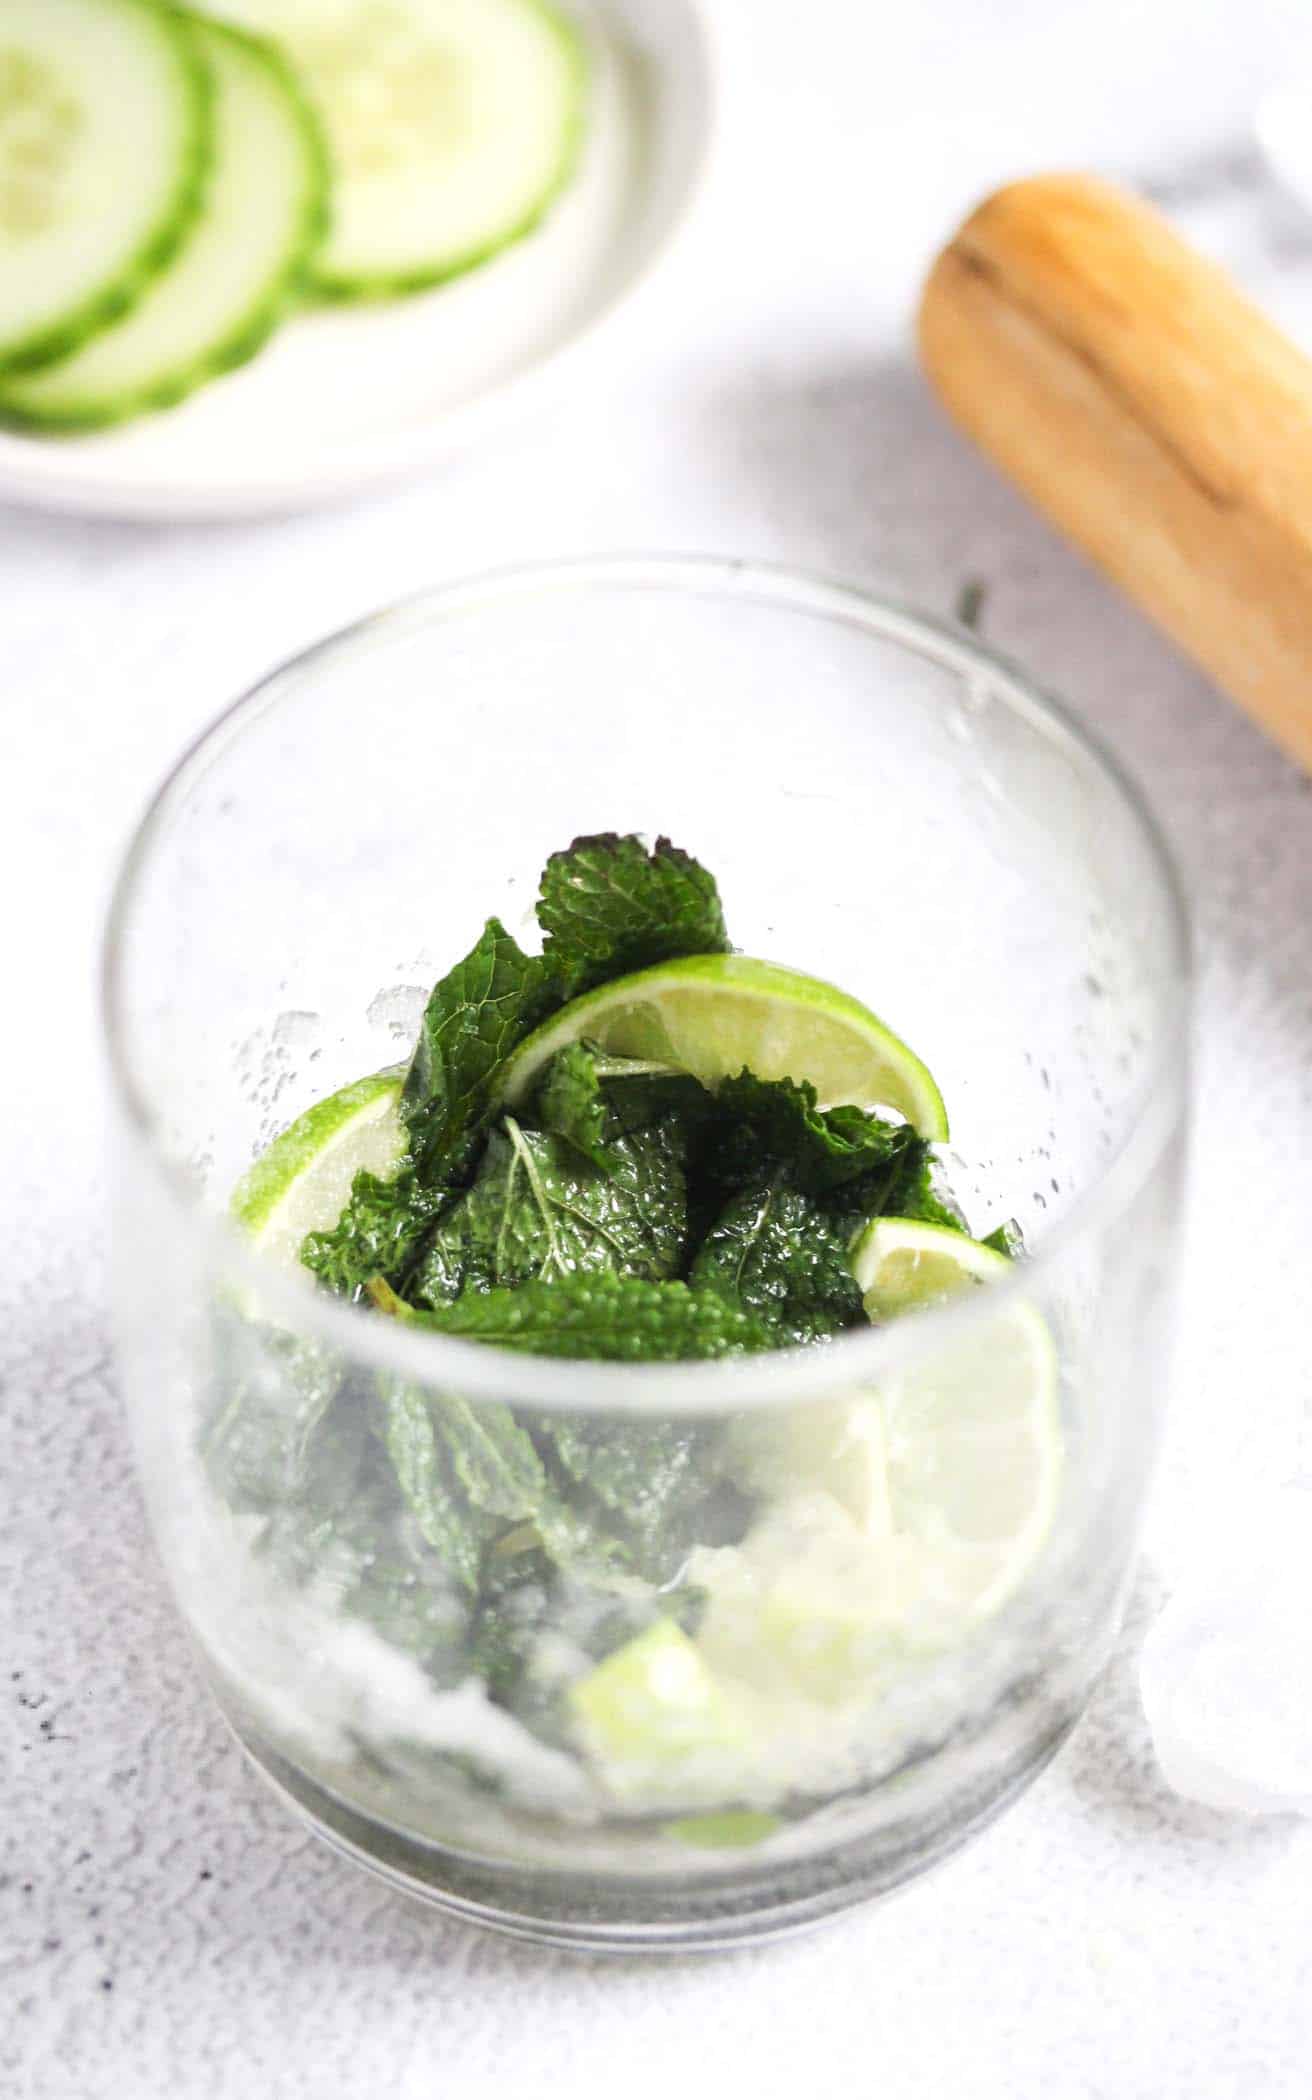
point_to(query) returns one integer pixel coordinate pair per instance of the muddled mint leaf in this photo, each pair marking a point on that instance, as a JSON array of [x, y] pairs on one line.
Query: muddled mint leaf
[[902, 1187], [476, 1015], [456, 1529], [823, 1149], [775, 1250], [285, 1428], [540, 1209], [590, 1096], [916, 1196], [1007, 1238], [616, 1318], [408, 1599], [379, 1233], [608, 906], [570, 1101], [492, 1457], [623, 1214], [652, 1482]]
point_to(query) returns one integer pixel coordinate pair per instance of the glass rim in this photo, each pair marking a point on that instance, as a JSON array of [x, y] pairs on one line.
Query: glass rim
[[491, 1373]]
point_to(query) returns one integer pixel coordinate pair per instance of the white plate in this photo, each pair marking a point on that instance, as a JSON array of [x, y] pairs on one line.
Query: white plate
[[349, 398]]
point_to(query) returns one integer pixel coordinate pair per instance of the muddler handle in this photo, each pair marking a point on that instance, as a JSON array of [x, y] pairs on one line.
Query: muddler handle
[[1151, 413]]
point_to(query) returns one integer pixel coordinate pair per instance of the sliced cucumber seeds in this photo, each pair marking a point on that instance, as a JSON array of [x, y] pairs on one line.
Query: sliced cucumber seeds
[[265, 209], [105, 142]]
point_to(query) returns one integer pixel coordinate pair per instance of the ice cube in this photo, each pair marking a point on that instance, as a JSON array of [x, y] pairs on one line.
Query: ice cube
[[1226, 1673]]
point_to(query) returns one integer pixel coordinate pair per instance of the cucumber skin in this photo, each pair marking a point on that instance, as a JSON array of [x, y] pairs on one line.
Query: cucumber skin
[[58, 339], [249, 334], [348, 289]]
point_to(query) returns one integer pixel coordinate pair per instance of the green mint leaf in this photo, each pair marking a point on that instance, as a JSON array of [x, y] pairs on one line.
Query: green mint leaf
[[285, 1428], [476, 1015], [903, 1187], [778, 1120], [331, 1539], [492, 1457], [570, 1102], [457, 1531], [540, 1209], [776, 1251], [652, 1482], [608, 906], [1007, 1239], [915, 1196], [379, 1233], [592, 1097], [408, 1599], [616, 1318]]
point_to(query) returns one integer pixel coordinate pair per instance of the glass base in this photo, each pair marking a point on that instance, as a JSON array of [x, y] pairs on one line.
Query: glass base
[[598, 1914]]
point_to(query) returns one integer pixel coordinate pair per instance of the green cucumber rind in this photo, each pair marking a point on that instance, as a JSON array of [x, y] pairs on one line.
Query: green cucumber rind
[[252, 330], [351, 288], [59, 338]]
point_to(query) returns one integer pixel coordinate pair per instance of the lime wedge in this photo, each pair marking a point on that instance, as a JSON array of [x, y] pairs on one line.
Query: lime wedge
[[650, 1708], [973, 1439], [902, 1264], [302, 1182], [713, 1015]]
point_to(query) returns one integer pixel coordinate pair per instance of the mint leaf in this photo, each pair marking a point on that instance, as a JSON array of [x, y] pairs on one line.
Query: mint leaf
[[539, 1208], [607, 906], [408, 1599], [777, 1119], [570, 1101], [492, 1457], [286, 1428], [379, 1232], [330, 1538], [476, 1015], [652, 1481], [915, 1196], [615, 1318], [592, 1097], [903, 1187], [456, 1529], [1007, 1239], [777, 1252]]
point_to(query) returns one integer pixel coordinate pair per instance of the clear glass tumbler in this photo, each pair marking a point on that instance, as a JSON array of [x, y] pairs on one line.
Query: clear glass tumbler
[[886, 805]]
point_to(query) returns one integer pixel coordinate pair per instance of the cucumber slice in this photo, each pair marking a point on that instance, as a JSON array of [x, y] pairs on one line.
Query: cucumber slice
[[265, 208], [104, 142], [453, 125]]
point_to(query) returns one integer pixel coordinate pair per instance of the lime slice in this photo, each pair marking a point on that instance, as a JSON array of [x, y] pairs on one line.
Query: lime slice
[[973, 1438], [302, 1182], [892, 1522], [903, 1264], [713, 1015], [836, 1445], [806, 1607]]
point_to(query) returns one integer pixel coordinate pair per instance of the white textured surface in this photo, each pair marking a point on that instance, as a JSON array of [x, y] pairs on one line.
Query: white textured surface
[[164, 1930]]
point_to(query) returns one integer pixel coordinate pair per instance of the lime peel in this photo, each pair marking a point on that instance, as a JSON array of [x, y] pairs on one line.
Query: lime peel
[[301, 1183], [717, 1015]]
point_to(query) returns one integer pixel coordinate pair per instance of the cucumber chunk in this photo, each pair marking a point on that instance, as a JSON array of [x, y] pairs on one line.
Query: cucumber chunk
[[104, 142], [453, 125], [265, 208]]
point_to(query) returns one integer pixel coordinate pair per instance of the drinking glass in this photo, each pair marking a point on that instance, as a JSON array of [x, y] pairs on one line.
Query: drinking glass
[[886, 805]]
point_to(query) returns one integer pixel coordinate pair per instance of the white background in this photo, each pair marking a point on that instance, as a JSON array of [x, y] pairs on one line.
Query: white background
[[164, 1930]]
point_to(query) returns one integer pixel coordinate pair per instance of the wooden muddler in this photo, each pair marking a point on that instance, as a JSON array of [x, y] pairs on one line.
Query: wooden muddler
[[1151, 412]]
